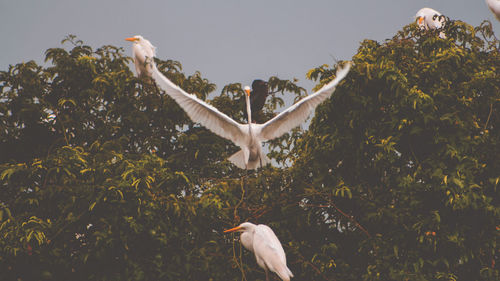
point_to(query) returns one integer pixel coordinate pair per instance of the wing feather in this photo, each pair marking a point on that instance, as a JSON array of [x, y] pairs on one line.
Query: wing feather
[[267, 245], [298, 113], [268, 248], [201, 112]]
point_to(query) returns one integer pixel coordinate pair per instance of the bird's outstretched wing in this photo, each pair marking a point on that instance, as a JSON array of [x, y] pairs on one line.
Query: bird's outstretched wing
[[298, 113], [201, 112]]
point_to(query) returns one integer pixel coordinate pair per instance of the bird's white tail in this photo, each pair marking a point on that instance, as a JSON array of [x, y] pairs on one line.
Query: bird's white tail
[[284, 273], [238, 159]]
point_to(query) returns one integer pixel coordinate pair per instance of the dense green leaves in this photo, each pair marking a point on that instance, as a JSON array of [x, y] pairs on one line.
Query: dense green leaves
[[103, 177], [412, 134]]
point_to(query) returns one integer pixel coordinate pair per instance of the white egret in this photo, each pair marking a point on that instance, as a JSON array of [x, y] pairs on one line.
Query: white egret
[[494, 6], [261, 240], [428, 18], [248, 137], [143, 52]]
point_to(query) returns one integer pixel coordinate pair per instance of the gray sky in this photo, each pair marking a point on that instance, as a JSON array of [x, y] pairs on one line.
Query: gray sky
[[227, 41]]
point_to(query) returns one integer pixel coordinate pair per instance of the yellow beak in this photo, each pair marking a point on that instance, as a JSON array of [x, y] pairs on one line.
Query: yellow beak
[[247, 91], [131, 39], [233, 229], [420, 20]]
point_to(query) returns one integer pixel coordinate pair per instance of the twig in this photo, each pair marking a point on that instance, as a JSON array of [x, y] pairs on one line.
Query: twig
[[351, 218], [413, 153], [489, 115], [243, 277], [240, 262], [63, 129], [301, 257], [261, 214], [65, 226], [235, 213]]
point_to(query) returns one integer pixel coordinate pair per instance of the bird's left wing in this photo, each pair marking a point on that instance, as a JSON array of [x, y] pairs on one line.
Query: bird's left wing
[[201, 112], [298, 113]]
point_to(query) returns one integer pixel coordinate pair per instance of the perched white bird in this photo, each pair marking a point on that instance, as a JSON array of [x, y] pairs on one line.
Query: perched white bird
[[143, 52], [428, 18], [494, 6], [261, 240], [248, 137]]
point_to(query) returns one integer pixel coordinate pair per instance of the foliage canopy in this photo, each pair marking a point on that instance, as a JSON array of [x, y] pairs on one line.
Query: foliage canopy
[[103, 177]]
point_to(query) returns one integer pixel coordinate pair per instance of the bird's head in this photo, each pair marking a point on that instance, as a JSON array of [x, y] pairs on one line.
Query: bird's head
[[246, 226], [247, 90], [138, 40], [135, 39], [420, 21], [420, 18]]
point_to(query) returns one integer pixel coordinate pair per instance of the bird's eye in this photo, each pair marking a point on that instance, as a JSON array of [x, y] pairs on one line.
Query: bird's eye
[[434, 17]]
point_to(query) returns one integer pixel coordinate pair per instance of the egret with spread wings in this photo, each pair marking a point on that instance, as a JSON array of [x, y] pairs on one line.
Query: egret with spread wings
[[248, 137]]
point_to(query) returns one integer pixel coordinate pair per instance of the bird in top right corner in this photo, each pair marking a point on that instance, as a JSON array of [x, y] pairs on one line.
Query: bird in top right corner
[[428, 18], [494, 6]]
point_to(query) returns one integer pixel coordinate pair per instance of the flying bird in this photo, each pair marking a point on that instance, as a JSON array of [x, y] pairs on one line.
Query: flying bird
[[494, 6], [143, 52], [248, 137], [258, 96], [261, 240], [428, 18]]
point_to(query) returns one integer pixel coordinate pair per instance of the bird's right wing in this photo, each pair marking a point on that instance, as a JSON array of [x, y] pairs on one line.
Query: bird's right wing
[[268, 248], [298, 113], [149, 49], [201, 112], [269, 240]]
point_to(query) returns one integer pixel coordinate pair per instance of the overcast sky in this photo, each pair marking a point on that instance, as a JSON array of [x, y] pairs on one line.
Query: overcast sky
[[227, 41]]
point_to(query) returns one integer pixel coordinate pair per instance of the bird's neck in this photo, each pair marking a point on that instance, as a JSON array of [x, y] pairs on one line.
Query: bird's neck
[[246, 239], [249, 110]]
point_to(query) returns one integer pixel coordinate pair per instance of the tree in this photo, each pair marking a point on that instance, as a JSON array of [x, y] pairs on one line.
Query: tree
[[407, 149], [103, 177]]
